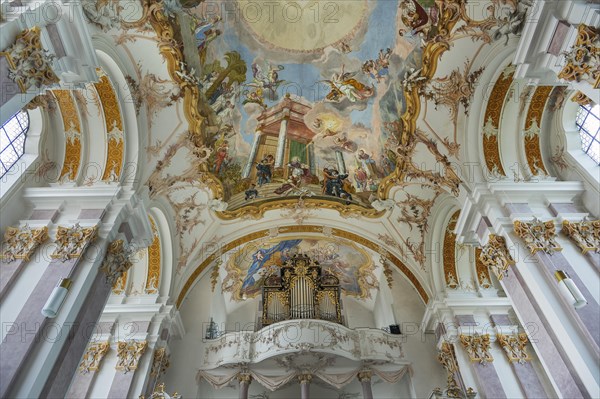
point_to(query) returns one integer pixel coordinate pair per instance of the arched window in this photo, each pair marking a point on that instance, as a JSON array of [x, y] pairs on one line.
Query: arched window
[[12, 140], [588, 123]]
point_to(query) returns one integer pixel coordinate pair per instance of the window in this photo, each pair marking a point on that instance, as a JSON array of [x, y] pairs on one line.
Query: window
[[588, 123], [12, 140]]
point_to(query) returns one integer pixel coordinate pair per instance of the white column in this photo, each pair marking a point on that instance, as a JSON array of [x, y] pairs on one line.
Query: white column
[[281, 142], [304, 385], [339, 157], [244, 379], [365, 381], [311, 158], [252, 156]]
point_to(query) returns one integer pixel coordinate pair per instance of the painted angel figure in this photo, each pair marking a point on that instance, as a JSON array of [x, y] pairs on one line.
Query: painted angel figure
[[261, 256], [344, 85], [378, 69], [266, 80], [201, 30], [254, 96]]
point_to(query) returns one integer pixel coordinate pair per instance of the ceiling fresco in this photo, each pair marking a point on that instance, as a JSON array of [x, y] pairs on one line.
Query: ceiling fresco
[[297, 105], [355, 106]]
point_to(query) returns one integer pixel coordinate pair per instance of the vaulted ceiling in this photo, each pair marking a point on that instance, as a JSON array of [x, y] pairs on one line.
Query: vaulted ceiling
[[253, 115]]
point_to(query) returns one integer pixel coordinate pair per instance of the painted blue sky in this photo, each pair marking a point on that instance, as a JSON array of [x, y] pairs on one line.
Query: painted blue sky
[[303, 78]]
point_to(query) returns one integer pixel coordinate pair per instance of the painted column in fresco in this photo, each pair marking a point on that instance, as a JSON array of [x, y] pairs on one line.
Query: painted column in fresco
[[339, 157], [365, 380], [311, 158], [253, 153], [281, 142]]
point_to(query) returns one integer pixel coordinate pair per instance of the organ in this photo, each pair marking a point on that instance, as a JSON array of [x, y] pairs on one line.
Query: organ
[[301, 290]]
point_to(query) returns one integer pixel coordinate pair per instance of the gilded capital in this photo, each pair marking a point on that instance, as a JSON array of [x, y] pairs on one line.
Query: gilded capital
[[515, 347], [93, 356], [447, 358], [21, 243], [495, 255], [538, 235], [244, 377], [586, 234], [581, 99], [116, 261], [364, 375], [304, 378], [583, 59], [478, 347], [129, 354], [29, 64], [72, 241]]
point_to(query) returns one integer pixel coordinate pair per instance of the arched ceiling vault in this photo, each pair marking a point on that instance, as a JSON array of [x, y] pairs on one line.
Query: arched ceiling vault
[[243, 124]]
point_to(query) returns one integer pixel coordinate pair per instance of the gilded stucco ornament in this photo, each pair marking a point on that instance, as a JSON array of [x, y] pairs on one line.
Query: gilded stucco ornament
[[160, 362], [159, 393], [21, 243], [244, 377], [483, 272], [72, 241], [583, 59], [129, 354], [478, 347], [116, 261], [154, 262], [447, 358], [105, 14], [515, 347], [581, 99], [364, 375], [449, 252], [93, 356], [531, 134], [495, 255], [586, 234], [538, 235], [29, 64]]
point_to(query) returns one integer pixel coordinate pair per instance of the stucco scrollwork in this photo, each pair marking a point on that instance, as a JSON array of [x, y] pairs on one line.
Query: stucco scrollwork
[[160, 362], [495, 255], [252, 347], [116, 261], [447, 358]]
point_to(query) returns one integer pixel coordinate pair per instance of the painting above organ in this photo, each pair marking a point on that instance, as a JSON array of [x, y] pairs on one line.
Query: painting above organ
[[302, 100], [247, 268]]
